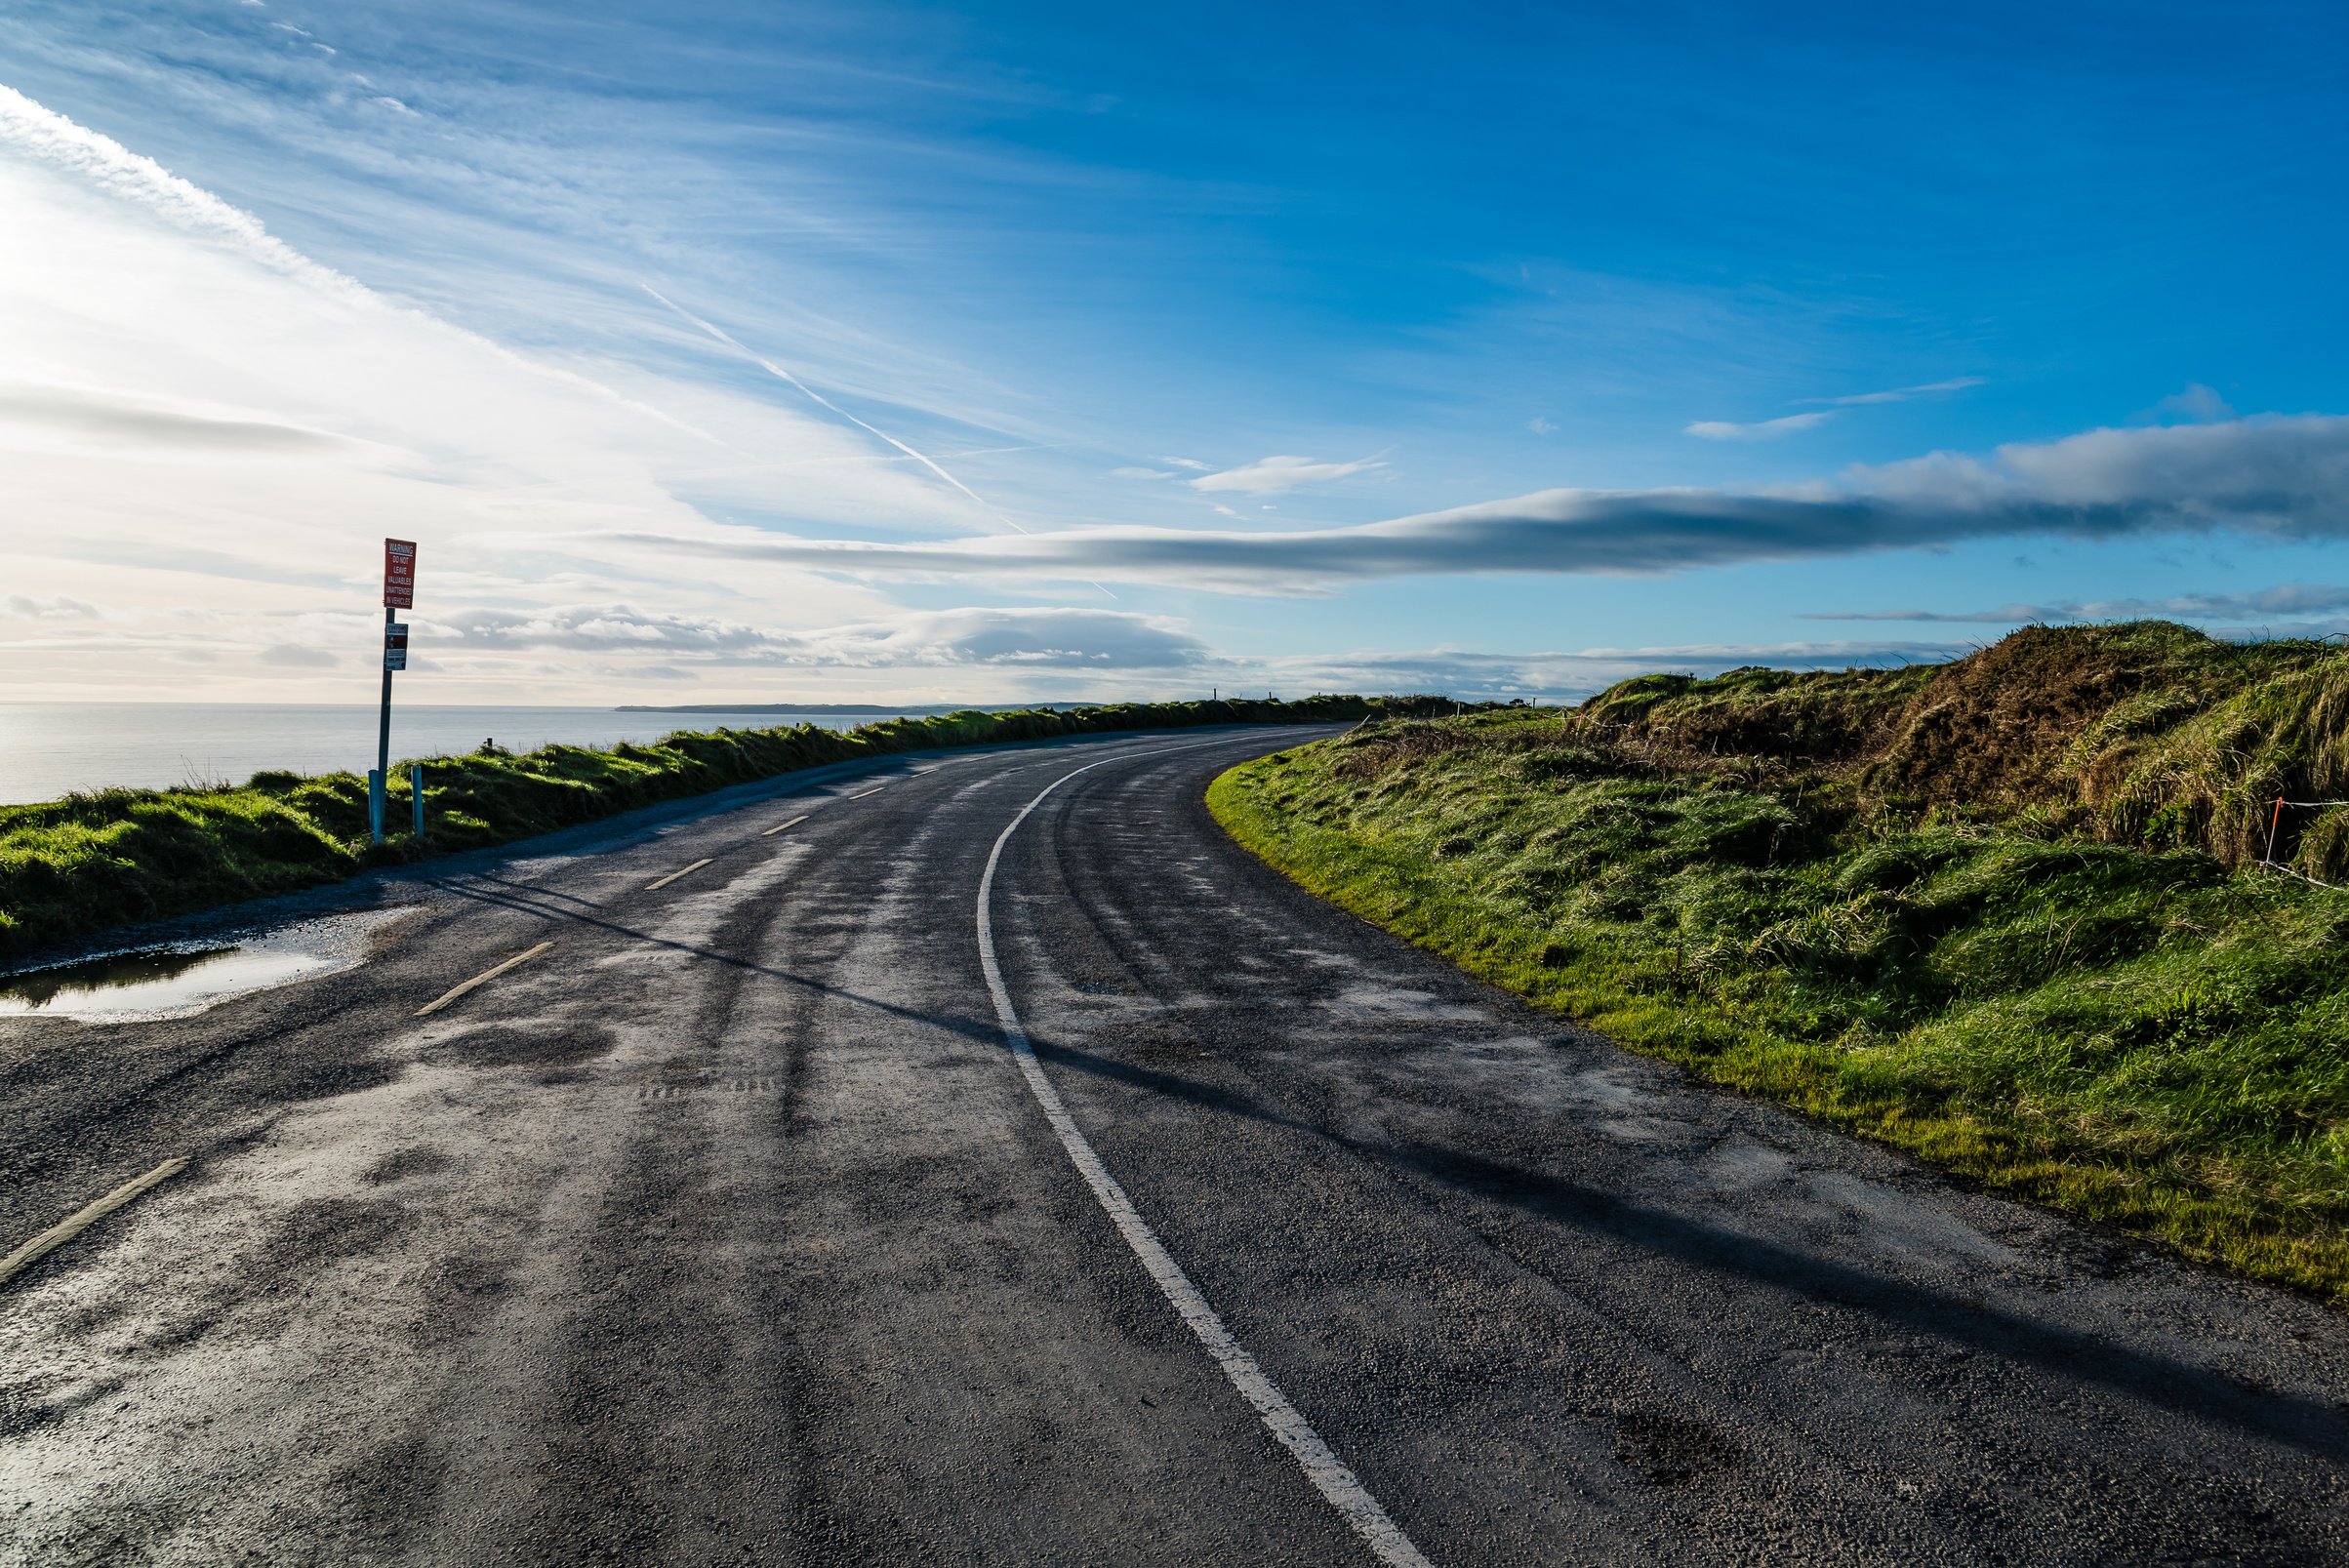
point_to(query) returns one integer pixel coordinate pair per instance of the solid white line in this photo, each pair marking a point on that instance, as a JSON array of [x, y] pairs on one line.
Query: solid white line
[[655, 887], [1321, 1463], [57, 1236], [780, 827], [482, 978]]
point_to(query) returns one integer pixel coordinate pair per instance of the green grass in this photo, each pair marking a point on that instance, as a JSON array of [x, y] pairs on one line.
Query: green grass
[[2016, 983], [73, 868]]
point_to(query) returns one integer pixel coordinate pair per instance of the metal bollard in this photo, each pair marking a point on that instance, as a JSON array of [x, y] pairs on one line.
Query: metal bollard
[[416, 794], [375, 804]]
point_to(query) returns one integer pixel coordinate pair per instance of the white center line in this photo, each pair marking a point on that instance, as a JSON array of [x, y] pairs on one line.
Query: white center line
[[1321, 1463], [874, 790], [780, 827], [655, 887], [483, 977], [57, 1236]]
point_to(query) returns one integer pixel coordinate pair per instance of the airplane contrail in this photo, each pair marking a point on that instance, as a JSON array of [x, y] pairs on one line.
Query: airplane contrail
[[778, 371], [773, 368]]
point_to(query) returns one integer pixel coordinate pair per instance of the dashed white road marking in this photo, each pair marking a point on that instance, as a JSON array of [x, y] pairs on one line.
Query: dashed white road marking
[[64, 1230], [874, 790], [482, 978], [780, 827], [1321, 1463], [655, 887]]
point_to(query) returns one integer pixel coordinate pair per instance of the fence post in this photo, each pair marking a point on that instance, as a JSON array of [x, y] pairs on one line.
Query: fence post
[[416, 794]]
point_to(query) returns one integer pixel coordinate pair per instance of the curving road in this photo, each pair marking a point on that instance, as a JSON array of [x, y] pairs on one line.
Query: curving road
[[810, 1207]]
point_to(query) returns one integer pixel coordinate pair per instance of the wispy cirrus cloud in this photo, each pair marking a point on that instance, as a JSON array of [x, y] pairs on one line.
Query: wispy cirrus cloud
[[239, 434], [1271, 476], [124, 420], [1897, 395], [1823, 410], [2269, 477], [1759, 430]]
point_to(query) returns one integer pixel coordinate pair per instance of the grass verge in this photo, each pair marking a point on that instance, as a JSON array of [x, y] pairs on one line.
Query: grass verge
[[74, 868], [2138, 1031]]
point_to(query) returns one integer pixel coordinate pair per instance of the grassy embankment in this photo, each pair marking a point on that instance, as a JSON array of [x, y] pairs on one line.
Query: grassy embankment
[[2004, 913], [73, 867]]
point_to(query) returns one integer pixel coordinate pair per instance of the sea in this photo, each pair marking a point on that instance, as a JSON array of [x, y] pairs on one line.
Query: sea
[[49, 749]]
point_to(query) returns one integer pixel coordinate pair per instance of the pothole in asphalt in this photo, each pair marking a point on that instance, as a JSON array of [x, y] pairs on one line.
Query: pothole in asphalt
[[185, 979]]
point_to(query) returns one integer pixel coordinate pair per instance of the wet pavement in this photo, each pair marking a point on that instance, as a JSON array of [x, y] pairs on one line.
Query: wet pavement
[[181, 980], [726, 1231]]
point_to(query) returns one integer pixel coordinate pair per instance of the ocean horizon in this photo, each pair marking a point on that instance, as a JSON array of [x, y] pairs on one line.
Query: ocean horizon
[[50, 749]]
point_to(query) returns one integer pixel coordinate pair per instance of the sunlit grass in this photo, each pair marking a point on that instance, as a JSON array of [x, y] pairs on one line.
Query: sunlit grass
[[114, 856], [2135, 1031]]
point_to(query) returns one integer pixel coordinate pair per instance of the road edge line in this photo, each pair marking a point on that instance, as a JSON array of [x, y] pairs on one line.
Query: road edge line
[[1338, 1485]]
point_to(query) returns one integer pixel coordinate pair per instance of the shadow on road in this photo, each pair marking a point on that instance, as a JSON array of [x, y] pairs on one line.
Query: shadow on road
[[521, 897], [2189, 1391]]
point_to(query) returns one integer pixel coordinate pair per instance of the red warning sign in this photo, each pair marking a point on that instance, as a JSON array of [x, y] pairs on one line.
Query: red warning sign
[[399, 574]]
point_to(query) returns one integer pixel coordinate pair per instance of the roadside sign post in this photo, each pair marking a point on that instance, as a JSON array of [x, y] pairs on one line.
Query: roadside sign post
[[399, 593]]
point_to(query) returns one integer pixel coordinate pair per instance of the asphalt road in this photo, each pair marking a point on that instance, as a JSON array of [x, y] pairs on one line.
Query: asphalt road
[[733, 1227]]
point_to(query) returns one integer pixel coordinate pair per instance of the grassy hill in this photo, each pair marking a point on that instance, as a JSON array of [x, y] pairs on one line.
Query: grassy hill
[[2006, 913]]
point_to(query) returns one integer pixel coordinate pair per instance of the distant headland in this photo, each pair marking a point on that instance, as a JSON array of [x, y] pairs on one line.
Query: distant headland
[[877, 710]]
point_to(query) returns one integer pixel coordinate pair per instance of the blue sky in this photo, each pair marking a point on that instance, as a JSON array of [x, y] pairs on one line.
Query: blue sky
[[772, 351]]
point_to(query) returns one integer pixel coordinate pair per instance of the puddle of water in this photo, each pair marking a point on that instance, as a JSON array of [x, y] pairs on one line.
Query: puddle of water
[[162, 983]]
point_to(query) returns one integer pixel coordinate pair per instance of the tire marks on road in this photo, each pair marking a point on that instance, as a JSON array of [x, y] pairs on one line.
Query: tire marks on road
[[1329, 1475]]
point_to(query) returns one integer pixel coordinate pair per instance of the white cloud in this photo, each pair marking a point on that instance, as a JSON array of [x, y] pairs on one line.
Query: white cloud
[[1761, 429], [1791, 423], [58, 607], [2266, 477], [1060, 638], [1271, 476], [294, 656], [2197, 403], [1193, 463], [1141, 473], [1028, 636], [1898, 394], [1541, 427], [1563, 675], [2281, 605], [90, 418]]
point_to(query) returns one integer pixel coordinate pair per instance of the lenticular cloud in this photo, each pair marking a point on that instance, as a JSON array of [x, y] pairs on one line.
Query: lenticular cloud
[[2277, 478]]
